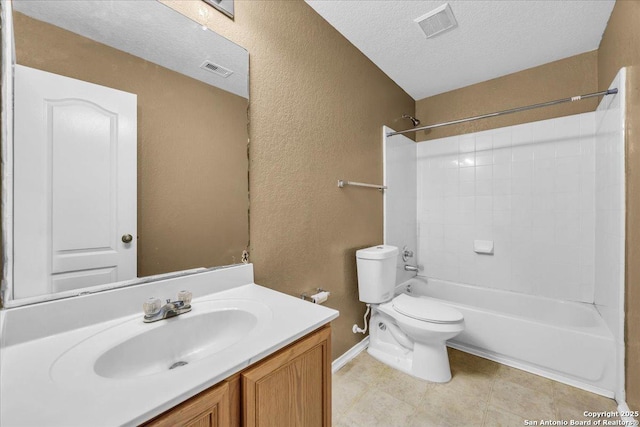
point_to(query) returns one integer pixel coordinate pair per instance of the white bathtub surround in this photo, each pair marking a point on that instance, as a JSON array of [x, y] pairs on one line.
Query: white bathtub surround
[[44, 359], [529, 189], [610, 217], [400, 199], [550, 195], [561, 340]]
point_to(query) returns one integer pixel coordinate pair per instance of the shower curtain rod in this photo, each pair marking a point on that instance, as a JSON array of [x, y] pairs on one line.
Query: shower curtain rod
[[513, 110]]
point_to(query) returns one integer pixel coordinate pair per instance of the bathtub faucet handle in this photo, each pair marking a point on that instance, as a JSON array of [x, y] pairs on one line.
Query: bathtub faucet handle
[[406, 254]]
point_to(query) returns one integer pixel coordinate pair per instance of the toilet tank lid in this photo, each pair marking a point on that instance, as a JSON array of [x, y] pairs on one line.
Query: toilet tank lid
[[426, 309], [377, 252]]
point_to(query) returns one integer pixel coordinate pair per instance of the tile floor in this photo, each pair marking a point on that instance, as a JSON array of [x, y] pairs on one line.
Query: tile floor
[[368, 393]]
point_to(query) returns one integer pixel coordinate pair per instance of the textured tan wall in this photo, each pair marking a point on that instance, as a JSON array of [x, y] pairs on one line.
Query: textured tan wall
[[620, 47], [316, 111], [560, 79], [192, 148]]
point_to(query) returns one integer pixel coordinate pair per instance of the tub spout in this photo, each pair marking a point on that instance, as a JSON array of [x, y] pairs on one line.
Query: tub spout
[[408, 267]]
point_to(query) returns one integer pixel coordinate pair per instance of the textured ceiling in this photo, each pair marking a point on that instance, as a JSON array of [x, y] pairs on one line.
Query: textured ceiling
[[493, 38], [149, 30]]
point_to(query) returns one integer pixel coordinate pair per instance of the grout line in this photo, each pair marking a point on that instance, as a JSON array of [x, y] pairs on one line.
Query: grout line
[[493, 385], [486, 408], [355, 400], [554, 398]]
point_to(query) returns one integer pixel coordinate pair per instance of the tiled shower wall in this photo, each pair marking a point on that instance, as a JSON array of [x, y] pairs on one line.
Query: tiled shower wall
[[530, 189], [400, 201]]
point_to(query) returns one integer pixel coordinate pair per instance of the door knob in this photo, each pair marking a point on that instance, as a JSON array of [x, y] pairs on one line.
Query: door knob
[[127, 238]]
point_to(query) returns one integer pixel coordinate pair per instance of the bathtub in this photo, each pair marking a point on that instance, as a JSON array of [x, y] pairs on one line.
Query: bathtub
[[564, 341]]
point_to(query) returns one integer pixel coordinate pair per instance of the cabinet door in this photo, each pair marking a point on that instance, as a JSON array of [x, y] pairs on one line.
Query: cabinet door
[[208, 409], [292, 388]]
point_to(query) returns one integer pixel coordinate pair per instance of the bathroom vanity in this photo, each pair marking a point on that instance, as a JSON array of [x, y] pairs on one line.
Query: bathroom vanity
[[243, 354], [290, 387]]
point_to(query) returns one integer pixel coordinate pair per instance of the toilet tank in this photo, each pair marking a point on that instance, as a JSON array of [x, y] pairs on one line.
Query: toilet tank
[[376, 273]]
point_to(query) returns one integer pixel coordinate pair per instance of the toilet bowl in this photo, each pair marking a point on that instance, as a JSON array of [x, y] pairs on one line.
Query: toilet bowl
[[407, 333], [427, 324]]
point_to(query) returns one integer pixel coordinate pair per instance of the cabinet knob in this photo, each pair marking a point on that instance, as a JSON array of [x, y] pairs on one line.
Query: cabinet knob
[[127, 238]]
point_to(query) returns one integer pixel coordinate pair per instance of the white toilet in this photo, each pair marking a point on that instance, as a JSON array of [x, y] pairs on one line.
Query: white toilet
[[407, 333]]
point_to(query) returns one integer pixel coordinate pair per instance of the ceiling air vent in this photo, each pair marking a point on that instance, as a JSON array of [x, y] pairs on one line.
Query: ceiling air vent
[[437, 21], [216, 69]]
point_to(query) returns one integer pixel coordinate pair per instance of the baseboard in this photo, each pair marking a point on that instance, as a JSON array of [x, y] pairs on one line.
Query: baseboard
[[349, 355], [623, 408]]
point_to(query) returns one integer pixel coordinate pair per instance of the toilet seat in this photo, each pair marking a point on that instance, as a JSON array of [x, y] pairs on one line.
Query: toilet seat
[[426, 309]]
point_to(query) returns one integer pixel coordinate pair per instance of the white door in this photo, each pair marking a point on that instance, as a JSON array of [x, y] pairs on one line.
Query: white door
[[74, 183]]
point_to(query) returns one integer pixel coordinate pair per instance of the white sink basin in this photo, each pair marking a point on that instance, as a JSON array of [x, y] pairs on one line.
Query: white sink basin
[[179, 341], [135, 349]]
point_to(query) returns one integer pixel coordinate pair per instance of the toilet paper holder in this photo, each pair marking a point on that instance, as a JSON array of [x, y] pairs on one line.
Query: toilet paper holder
[[305, 295]]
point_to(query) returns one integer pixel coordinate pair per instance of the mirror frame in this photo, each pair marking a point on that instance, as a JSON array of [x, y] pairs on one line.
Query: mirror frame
[[8, 60]]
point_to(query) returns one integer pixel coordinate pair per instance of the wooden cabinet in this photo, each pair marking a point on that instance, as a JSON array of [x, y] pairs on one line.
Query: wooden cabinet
[[211, 408], [290, 388]]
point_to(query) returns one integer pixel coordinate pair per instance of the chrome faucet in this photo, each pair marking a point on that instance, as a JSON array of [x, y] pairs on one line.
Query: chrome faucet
[[408, 267], [153, 311]]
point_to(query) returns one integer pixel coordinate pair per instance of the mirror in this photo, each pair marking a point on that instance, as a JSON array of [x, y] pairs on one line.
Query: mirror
[[129, 147]]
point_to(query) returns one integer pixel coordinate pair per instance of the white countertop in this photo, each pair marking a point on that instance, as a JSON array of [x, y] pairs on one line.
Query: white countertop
[[32, 394]]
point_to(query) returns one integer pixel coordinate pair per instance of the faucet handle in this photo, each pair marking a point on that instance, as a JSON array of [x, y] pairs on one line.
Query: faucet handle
[[406, 254], [185, 297], [151, 306]]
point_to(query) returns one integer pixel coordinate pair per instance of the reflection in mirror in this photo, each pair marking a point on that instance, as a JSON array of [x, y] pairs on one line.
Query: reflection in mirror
[[224, 6], [130, 145]]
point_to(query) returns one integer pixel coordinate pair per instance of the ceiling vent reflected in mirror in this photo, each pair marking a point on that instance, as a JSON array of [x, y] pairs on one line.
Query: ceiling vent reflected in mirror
[[437, 21], [167, 37], [216, 69]]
